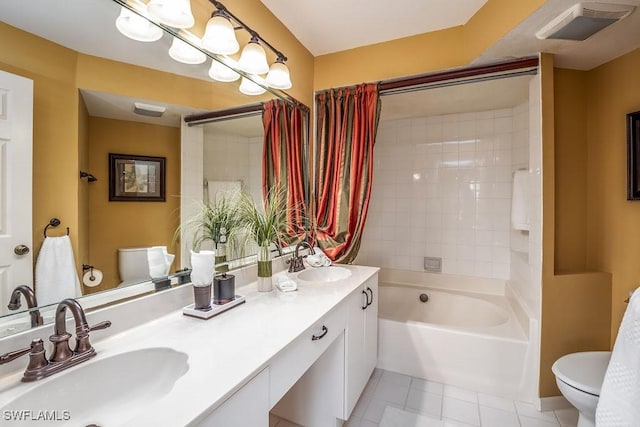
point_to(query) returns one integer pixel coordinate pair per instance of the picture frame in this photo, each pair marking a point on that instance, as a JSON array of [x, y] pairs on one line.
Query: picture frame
[[135, 178], [633, 156]]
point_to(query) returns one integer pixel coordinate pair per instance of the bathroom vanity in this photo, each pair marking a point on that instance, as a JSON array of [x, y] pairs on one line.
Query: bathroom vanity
[[305, 355]]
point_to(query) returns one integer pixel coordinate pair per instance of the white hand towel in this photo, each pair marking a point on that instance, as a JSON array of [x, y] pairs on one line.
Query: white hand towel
[[56, 276], [285, 284], [619, 402], [520, 201]]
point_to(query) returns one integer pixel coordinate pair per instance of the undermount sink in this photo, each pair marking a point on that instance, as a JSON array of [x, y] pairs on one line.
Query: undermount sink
[[324, 274], [105, 392]]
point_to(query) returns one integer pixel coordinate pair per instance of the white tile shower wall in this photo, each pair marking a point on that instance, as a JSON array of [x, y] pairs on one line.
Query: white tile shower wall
[[233, 158], [442, 188]]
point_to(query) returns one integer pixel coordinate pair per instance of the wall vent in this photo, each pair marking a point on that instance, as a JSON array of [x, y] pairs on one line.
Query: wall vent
[[148, 110], [583, 20]]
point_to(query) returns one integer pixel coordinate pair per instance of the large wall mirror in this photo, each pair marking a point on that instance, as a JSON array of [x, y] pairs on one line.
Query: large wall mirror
[[87, 78]]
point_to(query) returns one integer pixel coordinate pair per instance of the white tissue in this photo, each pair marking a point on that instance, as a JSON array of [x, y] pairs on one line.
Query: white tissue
[[202, 267]]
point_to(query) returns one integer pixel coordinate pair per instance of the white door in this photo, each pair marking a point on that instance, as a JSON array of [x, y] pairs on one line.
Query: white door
[[16, 137]]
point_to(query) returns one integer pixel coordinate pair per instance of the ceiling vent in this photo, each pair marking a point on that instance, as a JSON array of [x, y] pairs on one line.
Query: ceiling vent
[[583, 20], [148, 109]]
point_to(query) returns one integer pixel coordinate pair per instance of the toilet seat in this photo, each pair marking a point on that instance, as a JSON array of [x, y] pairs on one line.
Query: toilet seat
[[583, 371]]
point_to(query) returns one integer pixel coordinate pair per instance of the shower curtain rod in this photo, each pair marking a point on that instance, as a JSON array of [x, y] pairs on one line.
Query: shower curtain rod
[[460, 76], [222, 115]]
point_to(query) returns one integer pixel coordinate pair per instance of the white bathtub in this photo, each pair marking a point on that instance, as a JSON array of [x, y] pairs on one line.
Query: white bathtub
[[467, 339]]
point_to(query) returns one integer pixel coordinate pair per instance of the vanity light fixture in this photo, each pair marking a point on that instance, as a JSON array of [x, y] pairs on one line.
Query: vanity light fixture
[[251, 88], [279, 77], [219, 35], [222, 73], [174, 13], [253, 59], [137, 27], [144, 23], [183, 52]]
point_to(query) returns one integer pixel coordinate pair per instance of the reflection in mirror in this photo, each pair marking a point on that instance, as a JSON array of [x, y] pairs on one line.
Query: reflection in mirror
[[87, 77]]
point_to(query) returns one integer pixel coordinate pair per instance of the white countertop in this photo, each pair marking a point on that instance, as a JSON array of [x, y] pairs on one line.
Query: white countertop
[[224, 352]]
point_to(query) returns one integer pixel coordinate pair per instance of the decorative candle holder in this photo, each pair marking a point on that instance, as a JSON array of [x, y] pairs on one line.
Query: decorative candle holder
[[203, 266], [224, 288]]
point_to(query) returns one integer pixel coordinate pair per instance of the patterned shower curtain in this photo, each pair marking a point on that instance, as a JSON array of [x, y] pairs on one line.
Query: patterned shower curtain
[[284, 163], [347, 121]]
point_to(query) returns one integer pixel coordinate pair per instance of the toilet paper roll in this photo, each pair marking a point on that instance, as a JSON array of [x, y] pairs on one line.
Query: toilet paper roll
[[92, 278]]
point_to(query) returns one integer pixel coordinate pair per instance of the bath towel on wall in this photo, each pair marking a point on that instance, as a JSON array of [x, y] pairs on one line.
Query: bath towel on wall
[[56, 276], [618, 405], [520, 200]]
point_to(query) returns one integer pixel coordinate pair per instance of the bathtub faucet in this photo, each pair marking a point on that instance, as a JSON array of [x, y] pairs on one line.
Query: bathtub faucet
[[295, 263]]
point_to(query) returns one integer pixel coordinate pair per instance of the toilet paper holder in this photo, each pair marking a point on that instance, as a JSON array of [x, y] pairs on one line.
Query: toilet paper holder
[[86, 267]]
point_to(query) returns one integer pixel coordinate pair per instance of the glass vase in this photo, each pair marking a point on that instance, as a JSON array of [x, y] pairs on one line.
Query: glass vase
[[221, 258], [265, 269]]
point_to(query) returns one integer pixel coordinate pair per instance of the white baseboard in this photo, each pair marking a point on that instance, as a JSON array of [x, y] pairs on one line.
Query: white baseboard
[[552, 403]]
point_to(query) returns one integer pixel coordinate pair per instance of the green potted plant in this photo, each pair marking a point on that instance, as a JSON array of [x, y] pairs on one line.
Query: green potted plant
[[217, 222], [264, 225]]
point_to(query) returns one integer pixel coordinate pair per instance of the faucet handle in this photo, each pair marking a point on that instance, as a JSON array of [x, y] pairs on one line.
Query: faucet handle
[[101, 325], [82, 340], [36, 354], [12, 355]]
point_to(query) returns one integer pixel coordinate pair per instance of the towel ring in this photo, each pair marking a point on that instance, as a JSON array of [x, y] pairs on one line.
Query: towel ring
[[53, 222]]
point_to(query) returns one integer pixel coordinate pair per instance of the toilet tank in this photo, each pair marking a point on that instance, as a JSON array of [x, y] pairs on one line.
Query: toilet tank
[[133, 265]]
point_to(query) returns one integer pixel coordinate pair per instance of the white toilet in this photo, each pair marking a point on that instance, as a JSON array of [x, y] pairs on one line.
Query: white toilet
[[133, 265], [579, 377]]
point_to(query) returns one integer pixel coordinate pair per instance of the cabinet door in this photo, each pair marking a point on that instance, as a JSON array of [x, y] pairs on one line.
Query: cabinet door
[[249, 406], [371, 327], [355, 369]]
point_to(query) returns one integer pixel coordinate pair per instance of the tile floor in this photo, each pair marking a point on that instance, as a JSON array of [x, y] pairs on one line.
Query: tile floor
[[455, 406]]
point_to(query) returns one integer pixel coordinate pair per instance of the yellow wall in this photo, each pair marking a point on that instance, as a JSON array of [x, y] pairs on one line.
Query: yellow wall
[[453, 47], [596, 228], [570, 169], [613, 223], [114, 225], [55, 132]]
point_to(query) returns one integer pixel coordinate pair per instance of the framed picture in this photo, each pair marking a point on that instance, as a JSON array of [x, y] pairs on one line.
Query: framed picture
[[633, 156], [136, 178]]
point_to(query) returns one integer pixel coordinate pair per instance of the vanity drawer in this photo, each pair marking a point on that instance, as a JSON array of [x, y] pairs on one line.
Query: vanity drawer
[[293, 361]]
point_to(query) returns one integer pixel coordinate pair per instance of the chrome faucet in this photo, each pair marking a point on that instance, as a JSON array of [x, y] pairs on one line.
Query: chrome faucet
[[61, 357], [32, 303], [295, 263]]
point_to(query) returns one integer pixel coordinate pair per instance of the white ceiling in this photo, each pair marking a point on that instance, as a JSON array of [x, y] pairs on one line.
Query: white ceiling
[[328, 26], [119, 107]]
